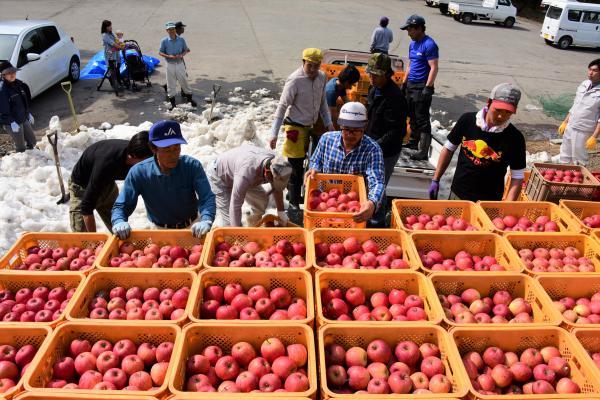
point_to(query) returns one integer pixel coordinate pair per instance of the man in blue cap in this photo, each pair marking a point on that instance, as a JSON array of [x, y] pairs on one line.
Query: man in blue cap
[[175, 189]]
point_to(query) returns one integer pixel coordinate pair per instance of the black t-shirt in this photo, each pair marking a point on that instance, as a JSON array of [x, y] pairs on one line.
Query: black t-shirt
[[484, 158], [101, 164]]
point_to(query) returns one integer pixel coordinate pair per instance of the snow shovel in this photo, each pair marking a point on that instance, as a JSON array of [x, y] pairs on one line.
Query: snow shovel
[[213, 99], [65, 195], [66, 87]]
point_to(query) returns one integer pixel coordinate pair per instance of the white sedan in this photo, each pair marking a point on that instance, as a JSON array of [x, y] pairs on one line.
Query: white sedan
[[43, 52]]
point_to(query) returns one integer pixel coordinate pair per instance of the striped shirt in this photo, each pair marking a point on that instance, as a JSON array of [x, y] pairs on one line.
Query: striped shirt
[[366, 159]]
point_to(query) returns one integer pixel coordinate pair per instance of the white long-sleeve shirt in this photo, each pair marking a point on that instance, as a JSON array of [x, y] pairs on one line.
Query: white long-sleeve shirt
[[584, 115]]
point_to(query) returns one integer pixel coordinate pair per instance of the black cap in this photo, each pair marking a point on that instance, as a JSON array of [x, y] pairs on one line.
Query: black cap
[[6, 67], [179, 24], [413, 20]]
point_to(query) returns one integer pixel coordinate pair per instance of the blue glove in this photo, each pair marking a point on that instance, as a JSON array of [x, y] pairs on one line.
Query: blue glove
[[201, 228], [122, 230], [15, 127], [434, 188], [31, 119]]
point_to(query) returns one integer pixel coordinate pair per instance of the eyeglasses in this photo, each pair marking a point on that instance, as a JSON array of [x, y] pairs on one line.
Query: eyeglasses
[[354, 132]]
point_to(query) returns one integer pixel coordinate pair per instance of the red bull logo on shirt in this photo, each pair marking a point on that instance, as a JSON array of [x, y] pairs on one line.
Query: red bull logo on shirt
[[479, 152]]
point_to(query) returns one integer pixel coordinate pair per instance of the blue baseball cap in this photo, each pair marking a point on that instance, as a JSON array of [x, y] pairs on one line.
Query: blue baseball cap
[[166, 133]]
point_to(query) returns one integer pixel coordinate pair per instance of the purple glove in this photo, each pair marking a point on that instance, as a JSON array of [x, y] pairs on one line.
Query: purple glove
[[434, 188]]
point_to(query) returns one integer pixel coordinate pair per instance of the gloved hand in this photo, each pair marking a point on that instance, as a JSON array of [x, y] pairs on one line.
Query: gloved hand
[[122, 230], [31, 119], [427, 92], [562, 127], [590, 144], [15, 127], [201, 228], [434, 188], [283, 218], [292, 135]]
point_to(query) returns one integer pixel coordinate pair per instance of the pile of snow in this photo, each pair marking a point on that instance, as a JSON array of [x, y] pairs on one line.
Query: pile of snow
[[29, 185]]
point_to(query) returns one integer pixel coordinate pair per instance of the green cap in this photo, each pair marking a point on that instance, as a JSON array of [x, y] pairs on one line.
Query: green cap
[[379, 64]]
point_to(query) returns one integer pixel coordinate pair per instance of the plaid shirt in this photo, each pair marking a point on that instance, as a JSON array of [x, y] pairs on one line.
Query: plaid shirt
[[367, 160]]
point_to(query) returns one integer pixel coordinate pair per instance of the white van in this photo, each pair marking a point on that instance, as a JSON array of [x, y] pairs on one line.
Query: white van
[[570, 23]]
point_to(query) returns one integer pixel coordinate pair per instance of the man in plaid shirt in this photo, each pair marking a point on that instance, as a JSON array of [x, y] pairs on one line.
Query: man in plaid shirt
[[350, 152]]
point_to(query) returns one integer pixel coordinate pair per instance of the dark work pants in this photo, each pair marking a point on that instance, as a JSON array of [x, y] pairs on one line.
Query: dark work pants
[[296, 179], [418, 111]]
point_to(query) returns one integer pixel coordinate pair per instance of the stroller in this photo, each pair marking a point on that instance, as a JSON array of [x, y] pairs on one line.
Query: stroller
[[137, 70]]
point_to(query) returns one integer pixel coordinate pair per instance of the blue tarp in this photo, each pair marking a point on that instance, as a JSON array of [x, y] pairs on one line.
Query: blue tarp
[[96, 67]]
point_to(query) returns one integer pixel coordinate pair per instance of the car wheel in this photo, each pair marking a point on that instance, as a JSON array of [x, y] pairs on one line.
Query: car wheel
[[509, 22], [444, 8], [74, 69], [429, 3], [565, 42], [467, 18], [456, 17]]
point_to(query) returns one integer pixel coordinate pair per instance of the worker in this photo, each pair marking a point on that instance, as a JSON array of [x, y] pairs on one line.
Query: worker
[[337, 86], [15, 115], [179, 30], [175, 189], [581, 127], [386, 111], [349, 151], [418, 84], [92, 184], [489, 144], [301, 102], [174, 48], [238, 175], [382, 37]]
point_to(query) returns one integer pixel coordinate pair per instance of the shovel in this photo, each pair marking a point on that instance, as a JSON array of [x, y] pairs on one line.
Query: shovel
[[66, 87], [53, 140], [213, 99]]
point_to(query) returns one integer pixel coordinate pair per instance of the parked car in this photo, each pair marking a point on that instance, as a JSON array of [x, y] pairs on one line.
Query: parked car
[[443, 4], [43, 52], [501, 12], [571, 24]]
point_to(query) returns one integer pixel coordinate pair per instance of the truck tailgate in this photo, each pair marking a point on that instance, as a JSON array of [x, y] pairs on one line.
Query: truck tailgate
[[410, 179]]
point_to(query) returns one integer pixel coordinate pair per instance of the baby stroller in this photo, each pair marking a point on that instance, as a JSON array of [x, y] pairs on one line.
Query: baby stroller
[[137, 70]]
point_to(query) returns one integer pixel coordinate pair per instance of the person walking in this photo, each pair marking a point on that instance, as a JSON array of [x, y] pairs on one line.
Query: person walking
[[418, 84], [174, 48], [489, 144], [112, 46], [382, 37], [92, 184], [175, 189], [301, 102], [581, 127], [180, 30], [15, 115]]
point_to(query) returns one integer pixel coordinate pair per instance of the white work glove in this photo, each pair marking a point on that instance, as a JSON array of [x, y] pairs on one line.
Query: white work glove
[[31, 119], [201, 228], [122, 230], [15, 127], [283, 218]]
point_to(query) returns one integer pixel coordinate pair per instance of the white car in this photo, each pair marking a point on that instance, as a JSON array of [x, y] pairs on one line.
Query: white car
[[43, 52]]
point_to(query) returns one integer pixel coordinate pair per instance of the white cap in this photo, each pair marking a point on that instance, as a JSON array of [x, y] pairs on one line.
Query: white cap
[[353, 115], [281, 170]]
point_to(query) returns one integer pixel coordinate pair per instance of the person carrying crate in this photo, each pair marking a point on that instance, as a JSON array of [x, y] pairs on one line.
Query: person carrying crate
[[581, 127], [350, 151], [301, 102], [489, 144], [238, 175], [175, 189], [336, 89]]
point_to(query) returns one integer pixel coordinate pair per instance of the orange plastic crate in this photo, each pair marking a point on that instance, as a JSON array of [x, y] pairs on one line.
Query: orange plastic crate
[[476, 243], [539, 189], [17, 253], [517, 339], [77, 396], [589, 340], [401, 209], [40, 373], [488, 210], [576, 211], [106, 280], [18, 335], [298, 283], [265, 237], [518, 285], [350, 335], [587, 246], [560, 285], [380, 281], [325, 182], [383, 237], [142, 238], [196, 337], [507, 181], [16, 280]]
